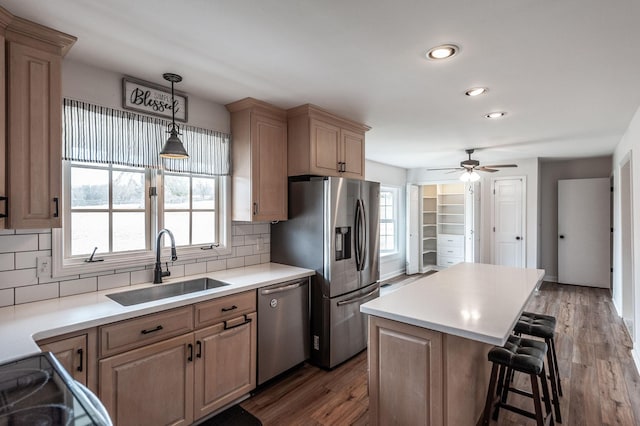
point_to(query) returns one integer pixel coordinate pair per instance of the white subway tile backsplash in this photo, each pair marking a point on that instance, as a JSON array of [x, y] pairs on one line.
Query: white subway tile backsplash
[[20, 249], [83, 285], [6, 297], [27, 259], [15, 243], [106, 282], [235, 262], [18, 278], [144, 276], [7, 261], [216, 265], [34, 293], [195, 268]]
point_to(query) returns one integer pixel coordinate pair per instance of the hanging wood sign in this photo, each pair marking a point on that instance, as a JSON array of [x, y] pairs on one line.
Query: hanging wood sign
[[151, 98]]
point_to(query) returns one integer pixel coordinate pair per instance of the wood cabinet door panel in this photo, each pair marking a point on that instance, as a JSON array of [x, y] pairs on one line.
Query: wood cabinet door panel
[[226, 367], [352, 147], [269, 174], [152, 385], [325, 152], [72, 355], [35, 136]]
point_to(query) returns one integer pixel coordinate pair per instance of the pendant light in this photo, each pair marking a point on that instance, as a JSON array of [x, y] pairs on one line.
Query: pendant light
[[173, 148]]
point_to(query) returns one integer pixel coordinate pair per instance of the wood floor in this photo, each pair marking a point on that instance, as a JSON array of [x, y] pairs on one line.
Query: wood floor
[[600, 383]]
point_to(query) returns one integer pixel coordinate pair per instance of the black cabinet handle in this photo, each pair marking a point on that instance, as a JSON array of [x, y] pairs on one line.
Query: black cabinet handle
[[229, 309], [190, 357], [151, 330], [255, 209], [247, 320], [55, 213], [6, 207], [199, 345], [81, 355]]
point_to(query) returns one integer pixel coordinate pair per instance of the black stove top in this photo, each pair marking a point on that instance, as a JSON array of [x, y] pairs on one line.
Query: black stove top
[[37, 391]]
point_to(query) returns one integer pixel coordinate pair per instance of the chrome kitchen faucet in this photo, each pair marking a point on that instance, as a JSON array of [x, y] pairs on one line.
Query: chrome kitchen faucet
[[158, 272]]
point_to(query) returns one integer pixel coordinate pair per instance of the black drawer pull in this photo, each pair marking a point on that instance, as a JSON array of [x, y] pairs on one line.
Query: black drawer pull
[[246, 321], [199, 345], [55, 213], [6, 207], [151, 330], [190, 357], [80, 353], [229, 309]]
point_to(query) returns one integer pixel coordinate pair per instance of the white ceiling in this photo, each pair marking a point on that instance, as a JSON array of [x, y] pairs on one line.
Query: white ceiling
[[566, 71]]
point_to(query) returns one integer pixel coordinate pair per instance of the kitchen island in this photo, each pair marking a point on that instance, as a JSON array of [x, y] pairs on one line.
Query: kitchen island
[[428, 342]]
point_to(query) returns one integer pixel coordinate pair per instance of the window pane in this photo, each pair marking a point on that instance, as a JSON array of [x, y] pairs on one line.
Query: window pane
[[204, 193], [203, 228], [128, 190], [178, 224], [176, 192], [89, 230], [89, 188], [128, 231]]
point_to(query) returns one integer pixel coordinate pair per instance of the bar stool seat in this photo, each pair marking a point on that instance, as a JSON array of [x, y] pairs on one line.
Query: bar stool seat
[[544, 327], [525, 356]]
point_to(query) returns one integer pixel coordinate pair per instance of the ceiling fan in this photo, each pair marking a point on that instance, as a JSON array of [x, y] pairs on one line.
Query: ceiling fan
[[471, 167]]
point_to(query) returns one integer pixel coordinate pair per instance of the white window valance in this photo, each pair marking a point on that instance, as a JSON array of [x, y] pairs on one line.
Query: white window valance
[[98, 134]]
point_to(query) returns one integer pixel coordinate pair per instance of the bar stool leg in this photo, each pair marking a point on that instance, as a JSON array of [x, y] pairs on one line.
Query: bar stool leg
[[552, 376], [490, 395], [552, 346], [545, 394], [536, 400]]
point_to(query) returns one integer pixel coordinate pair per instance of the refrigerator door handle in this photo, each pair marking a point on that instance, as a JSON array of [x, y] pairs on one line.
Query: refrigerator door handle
[[363, 224], [357, 230], [356, 299]]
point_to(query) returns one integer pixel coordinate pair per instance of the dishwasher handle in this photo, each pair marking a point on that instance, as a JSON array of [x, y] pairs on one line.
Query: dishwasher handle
[[282, 288], [356, 299]]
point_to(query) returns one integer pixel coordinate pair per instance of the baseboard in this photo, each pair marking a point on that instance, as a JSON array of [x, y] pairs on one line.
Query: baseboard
[[551, 278], [618, 308], [636, 359], [392, 274]]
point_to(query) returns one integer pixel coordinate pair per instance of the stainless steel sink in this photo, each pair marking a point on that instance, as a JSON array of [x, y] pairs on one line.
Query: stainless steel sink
[[162, 291]]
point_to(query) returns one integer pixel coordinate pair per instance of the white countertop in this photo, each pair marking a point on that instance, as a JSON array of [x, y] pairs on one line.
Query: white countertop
[[21, 325], [472, 300]]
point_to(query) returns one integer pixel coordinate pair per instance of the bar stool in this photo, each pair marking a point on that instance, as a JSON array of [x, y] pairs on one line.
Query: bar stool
[[544, 327], [525, 356]]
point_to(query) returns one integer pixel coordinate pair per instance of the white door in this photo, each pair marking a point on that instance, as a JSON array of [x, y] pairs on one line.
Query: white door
[[472, 222], [584, 232], [413, 229], [508, 222]]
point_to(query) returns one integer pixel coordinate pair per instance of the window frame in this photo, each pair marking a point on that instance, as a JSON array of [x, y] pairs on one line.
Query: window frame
[[64, 266], [395, 197]]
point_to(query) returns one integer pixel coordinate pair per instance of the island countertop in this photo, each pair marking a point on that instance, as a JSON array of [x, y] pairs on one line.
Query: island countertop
[[472, 300]]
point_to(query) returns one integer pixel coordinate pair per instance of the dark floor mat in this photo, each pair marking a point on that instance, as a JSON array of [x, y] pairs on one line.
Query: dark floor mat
[[234, 416]]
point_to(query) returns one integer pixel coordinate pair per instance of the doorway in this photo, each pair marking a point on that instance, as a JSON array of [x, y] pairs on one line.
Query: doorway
[[626, 236], [509, 222]]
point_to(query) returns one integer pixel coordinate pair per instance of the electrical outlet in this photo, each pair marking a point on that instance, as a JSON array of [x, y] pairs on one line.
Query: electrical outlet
[[43, 266]]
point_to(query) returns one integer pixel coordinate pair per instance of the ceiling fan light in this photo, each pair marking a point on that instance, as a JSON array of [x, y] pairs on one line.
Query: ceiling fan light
[[474, 176], [465, 176]]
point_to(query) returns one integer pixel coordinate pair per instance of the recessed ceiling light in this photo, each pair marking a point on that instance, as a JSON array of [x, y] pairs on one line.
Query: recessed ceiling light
[[476, 91], [496, 114], [443, 51]]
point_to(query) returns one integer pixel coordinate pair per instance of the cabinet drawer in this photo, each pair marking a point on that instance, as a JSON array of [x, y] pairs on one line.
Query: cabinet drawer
[[449, 240], [141, 331], [224, 308], [448, 261], [451, 251]]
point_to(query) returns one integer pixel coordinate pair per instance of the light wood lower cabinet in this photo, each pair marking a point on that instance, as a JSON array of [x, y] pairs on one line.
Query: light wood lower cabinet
[[77, 354], [181, 379], [225, 366]]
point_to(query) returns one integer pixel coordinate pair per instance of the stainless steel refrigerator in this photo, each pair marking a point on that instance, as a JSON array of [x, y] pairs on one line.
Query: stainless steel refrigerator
[[333, 227]]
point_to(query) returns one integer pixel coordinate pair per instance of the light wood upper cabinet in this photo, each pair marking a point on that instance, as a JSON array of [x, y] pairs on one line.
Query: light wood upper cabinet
[[324, 144], [34, 123], [77, 354], [259, 182]]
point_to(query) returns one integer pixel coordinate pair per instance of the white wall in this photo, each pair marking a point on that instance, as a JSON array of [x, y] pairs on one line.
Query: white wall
[[630, 143], [550, 172], [527, 168], [393, 264]]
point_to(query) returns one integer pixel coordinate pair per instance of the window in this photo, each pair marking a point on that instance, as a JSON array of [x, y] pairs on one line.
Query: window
[[118, 193], [388, 220]]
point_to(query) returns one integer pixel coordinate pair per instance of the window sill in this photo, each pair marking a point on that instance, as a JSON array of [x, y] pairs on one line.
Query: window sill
[[389, 254]]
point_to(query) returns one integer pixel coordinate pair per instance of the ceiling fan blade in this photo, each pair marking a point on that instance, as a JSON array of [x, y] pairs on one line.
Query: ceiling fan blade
[[497, 166], [486, 169], [446, 168]]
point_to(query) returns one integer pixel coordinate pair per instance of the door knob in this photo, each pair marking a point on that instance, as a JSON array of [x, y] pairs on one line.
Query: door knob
[[562, 237], [518, 238]]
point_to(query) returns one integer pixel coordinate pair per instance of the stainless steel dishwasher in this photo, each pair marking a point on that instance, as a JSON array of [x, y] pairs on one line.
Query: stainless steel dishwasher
[[283, 327]]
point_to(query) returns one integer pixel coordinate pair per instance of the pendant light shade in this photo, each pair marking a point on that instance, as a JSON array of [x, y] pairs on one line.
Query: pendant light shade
[[173, 147]]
